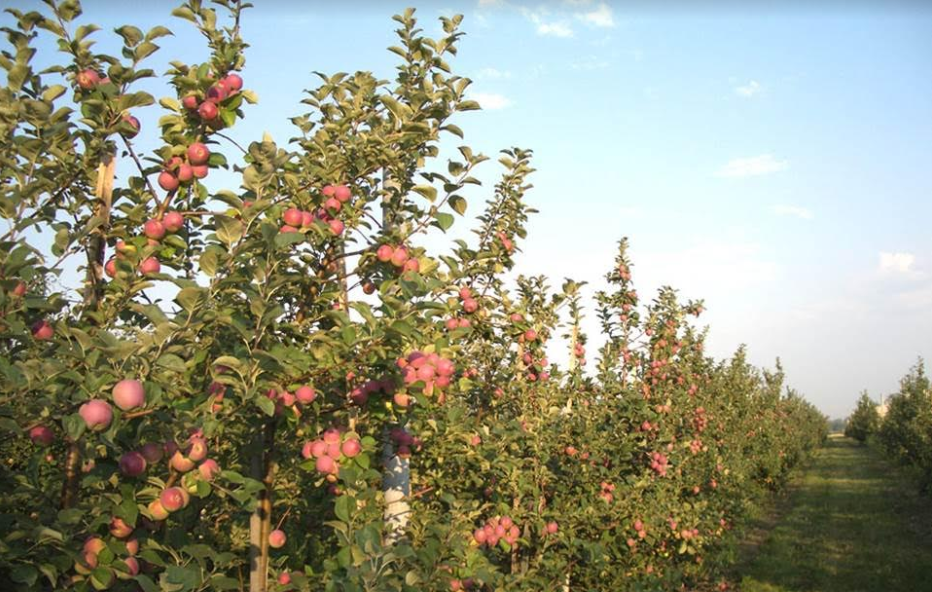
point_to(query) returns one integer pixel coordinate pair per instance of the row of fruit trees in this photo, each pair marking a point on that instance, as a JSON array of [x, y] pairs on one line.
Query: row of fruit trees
[[326, 404]]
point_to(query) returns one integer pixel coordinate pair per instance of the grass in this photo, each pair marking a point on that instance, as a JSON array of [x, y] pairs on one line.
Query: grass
[[851, 523]]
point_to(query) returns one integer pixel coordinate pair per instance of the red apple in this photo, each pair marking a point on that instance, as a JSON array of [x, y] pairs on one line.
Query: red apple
[[150, 265], [336, 226], [190, 102], [96, 414], [198, 153], [200, 171], [277, 539], [173, 221], [284, 578], [110, 267], [293, 217], [233, 82], [132, 464], [197, 450], [208, 111], [208, 469], [152, 452], [157, 510], [174, 498], [384, 253], [351, 448], [88, 79], [305, 395], [129, 394], [42, 330], [342, 193], [399, 256], [119, 528], [133, 123], [42, 435], [181, 463], [168, 181], [185, 172]]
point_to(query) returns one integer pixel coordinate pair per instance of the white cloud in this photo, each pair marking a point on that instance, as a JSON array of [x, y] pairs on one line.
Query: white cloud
[[600, 17], [897, 263], [764, 164], [491, 101], [555, 29], [559, 28], [749, 90], [798, 211], [590, 63], [492, 74], [489, 3]]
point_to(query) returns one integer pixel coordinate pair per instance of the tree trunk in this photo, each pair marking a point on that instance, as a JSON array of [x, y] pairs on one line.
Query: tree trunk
[[260, 522], [96, 252], [396, 488]]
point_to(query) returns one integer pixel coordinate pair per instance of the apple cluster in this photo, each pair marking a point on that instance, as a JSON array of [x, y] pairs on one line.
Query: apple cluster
[[579, 351], [206, 105], [507, 244], [305, 395], [178, 171], [296, 220], [360, 395], [330, 449], [404, 442], [469, 304], [659, 463], [94, 545], [172, 499], [497, 529], [430, 369], [606, 492], [398, 257]]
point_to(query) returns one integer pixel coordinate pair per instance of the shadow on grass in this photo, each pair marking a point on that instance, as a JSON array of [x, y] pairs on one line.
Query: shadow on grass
[[852, 524]]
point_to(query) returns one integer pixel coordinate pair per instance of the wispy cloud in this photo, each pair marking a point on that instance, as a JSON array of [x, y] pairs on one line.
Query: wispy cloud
[[898, 263], [752, 88], [752, 166], [590, 63], [492, 74], [490, 3], [797, 211], [491, 101], [601, 16], [545, 25], [555, 29]]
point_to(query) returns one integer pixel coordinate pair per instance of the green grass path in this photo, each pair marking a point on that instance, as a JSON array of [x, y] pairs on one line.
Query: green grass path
[[851, 523]]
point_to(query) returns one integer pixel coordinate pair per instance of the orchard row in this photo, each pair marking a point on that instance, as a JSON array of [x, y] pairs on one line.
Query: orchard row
[[283, 388]]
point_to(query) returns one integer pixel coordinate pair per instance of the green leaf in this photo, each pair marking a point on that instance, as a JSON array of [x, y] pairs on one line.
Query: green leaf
[[171, 362], [185, 13], [24, 574], [345, 504], [286, 239], [444, 220], [131, 35], [229, 230], [190, 298], [427, 191], [458, 204], [145, 49], [53, 92], [266, 405], [74, 426], [156, 32]]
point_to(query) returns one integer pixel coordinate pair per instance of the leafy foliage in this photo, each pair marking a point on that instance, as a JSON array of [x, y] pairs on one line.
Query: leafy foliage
[[316, 365]]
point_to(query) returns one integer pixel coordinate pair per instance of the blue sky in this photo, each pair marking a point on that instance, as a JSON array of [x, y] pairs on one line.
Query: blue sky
[[777, 164]]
